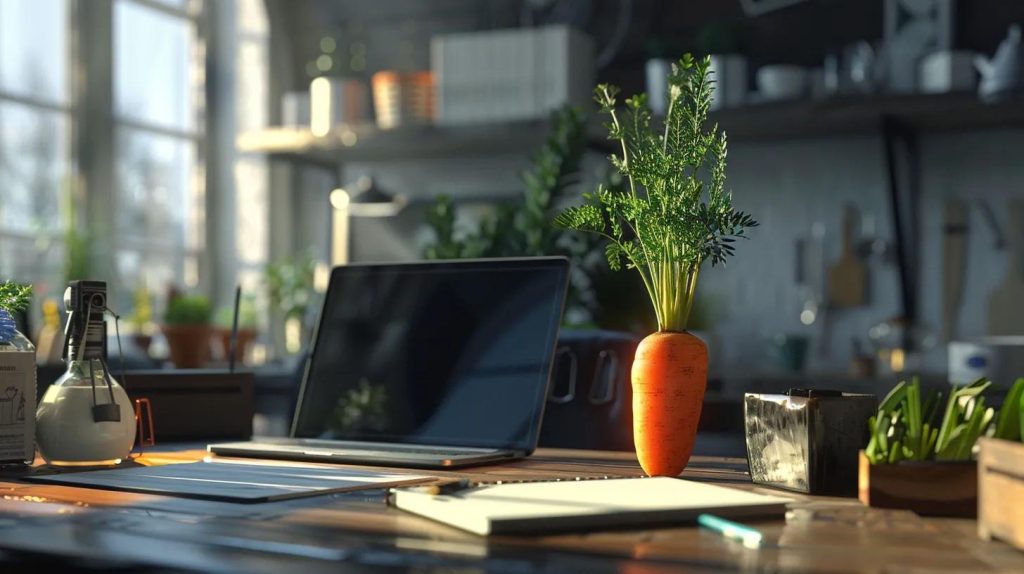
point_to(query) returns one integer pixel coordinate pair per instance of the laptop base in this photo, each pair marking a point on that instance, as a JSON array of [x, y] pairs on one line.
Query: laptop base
[[373, 454]]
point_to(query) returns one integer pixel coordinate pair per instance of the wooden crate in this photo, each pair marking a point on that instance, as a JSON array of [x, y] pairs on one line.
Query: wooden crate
[[927, 488], [1001, 491]]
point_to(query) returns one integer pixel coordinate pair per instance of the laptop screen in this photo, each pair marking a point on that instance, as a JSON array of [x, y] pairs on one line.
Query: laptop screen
[[454, 353]]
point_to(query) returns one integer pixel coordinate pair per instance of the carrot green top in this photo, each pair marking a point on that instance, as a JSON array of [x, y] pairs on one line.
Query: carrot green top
[[676, 213]]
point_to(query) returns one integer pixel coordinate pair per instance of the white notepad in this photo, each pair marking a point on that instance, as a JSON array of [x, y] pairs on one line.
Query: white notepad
[[539, 507]]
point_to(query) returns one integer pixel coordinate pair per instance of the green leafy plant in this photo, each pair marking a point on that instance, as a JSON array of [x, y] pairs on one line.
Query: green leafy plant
[[141, 318], [188, 310], [1010, 425], [14, 297], [248, 314], [521, 228], [290, 285], [676, 213], [904, 428]]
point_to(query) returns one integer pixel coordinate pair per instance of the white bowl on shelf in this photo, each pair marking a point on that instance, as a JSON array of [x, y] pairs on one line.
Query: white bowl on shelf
[[781, 82]]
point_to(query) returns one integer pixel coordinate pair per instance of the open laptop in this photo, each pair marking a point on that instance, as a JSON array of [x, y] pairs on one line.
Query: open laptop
[[435, 364]]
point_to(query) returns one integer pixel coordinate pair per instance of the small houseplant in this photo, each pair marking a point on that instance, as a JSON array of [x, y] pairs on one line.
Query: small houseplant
[[675, 216], [920, 455], [290, 286], [248, 322], [141, 319], [186, 327]]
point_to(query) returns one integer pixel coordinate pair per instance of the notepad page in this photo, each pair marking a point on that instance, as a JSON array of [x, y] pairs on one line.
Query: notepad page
[[484, 510]]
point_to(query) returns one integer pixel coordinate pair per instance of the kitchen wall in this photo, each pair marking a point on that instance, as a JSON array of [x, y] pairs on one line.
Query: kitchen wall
[[789, 186]]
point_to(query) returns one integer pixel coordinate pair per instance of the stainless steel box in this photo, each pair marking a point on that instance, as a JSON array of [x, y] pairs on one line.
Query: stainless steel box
[[807, 441]]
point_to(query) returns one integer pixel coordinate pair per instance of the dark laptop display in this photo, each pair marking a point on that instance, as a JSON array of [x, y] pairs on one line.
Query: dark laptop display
[[443, 353]]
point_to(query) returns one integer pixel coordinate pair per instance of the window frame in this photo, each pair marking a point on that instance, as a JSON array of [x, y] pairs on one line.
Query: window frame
[[191, 257], [66, 111], [94, 131]]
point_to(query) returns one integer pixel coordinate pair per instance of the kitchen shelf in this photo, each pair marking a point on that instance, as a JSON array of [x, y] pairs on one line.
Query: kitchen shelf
[[832, 117], [863, 115], [368, 143]]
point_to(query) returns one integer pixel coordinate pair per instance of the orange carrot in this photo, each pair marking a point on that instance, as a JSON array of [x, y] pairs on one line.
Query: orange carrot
[[669, 377]]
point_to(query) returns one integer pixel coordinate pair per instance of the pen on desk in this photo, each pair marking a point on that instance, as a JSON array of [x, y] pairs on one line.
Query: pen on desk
[[449, 486], [750, 537]]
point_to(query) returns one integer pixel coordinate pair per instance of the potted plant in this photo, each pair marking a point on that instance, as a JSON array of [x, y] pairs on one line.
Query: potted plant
[[916, 461], [141, 319], [248, 322], [290, 285], [187, 330], [675, 216]]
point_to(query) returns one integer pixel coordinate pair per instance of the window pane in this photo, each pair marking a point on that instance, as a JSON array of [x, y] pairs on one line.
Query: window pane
[[156, 203], [33, 167], [180, 4], [252, 78], [251, 209], [154, 271], [252, 17], [33, 48], [153, 66], [34, 259]]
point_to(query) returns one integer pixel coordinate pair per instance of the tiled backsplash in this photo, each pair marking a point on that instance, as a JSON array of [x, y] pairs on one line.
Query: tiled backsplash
[[788, 186]]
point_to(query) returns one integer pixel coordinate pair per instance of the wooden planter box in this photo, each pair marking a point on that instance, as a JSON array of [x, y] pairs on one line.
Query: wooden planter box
[[927, 488], [1001, 491]]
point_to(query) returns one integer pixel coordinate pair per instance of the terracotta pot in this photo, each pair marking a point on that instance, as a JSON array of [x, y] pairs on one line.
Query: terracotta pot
[[929, 488], [189, 345], [669, 376], [245, 338]]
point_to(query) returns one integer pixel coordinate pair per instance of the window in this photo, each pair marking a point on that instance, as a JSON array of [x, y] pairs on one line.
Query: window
[[35, 127], [251, 177], [158, 108], [155, 125]]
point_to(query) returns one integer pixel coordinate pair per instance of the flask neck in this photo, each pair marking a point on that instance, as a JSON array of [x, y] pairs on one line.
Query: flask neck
[[87, 342]]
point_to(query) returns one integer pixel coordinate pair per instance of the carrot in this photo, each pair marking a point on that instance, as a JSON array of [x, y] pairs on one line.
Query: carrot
[[669, 377]]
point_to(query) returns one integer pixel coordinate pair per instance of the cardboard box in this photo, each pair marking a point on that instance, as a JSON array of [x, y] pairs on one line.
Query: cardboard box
[[17, 406]]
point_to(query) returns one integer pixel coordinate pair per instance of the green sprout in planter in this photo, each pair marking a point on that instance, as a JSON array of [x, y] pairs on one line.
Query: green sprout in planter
[[906, 429], [1010, 425]]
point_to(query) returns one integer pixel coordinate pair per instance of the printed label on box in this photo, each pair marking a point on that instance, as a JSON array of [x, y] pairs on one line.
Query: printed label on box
[[17, 406]]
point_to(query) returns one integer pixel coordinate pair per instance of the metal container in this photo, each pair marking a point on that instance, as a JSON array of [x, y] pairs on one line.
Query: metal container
[[807, 440]]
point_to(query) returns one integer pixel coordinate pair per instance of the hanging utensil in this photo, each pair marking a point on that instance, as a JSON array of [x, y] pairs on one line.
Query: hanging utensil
[[847, 278], [1006, 304]]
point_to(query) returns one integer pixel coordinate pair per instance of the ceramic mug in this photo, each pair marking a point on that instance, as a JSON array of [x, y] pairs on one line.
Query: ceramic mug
[[947, 71], [781, 82], [790, 351]]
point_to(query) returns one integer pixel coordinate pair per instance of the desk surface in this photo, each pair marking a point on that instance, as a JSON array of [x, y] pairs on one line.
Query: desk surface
[[819, 534]]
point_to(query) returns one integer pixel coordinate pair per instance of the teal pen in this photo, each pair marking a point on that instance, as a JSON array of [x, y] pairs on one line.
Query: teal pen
[[750, 537]]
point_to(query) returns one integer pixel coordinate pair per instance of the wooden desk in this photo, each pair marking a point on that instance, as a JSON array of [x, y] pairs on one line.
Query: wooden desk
[[358, 529]]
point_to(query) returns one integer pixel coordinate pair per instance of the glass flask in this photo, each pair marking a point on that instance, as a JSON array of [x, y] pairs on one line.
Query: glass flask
[[86, 417]]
